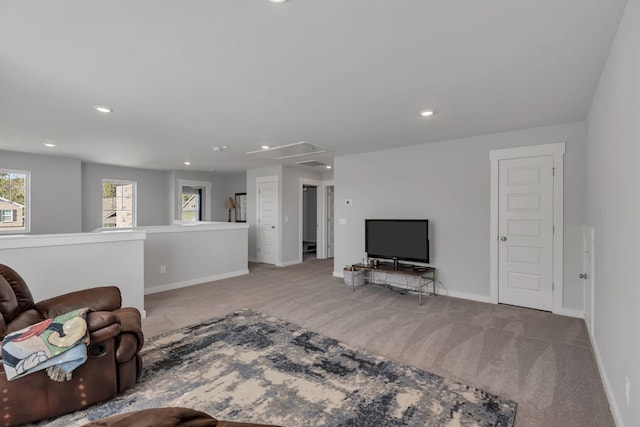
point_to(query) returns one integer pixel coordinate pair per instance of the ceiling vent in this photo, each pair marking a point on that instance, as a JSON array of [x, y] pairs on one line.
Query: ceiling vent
[[312, 163], [289, 151]]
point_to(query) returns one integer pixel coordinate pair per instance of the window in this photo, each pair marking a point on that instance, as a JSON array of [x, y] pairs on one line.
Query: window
[[14, 201], [191, 204], [118, 204], [192, 200], [7, 215]]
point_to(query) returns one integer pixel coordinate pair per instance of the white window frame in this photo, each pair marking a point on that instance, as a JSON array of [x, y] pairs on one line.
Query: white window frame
[[207, 196], [134, 205], [3, 215], [27, 201]]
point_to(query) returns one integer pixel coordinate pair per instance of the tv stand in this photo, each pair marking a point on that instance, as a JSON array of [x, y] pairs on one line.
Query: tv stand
[[424, 275]]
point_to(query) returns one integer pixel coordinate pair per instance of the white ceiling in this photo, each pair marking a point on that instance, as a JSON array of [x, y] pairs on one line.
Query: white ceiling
[[347, 75]]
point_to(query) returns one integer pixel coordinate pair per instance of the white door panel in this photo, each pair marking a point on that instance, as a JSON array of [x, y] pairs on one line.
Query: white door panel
[[525, 228], [267, 220]]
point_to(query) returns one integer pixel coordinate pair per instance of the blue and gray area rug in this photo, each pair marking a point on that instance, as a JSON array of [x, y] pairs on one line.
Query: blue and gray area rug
[[252, 367]]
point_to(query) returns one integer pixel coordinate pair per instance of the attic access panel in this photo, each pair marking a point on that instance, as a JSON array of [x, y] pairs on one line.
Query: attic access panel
[[312, 163], [289, 151]]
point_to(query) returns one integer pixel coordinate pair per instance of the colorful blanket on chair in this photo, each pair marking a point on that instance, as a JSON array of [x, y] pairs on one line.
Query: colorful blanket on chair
[[58, 345]]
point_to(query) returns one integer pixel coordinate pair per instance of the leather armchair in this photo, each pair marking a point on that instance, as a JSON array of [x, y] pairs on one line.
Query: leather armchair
[[168, 417], [113, 365]]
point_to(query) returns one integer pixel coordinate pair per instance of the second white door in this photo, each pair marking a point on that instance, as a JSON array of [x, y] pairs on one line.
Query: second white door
[[268, 237], [525, 232]]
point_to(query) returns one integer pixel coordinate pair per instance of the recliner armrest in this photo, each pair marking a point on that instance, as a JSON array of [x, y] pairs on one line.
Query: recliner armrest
[[131, 339], [106, 298]]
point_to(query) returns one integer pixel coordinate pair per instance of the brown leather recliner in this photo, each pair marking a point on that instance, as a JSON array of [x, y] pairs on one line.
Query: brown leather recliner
[[168, 417], [113, 363]]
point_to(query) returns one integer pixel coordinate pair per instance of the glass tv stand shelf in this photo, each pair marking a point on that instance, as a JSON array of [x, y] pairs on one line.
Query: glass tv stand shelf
[[423, 276]]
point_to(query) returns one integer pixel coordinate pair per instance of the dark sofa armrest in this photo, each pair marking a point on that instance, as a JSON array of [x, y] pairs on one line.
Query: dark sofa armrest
[[103, 325], [106, 298], [131, 339]]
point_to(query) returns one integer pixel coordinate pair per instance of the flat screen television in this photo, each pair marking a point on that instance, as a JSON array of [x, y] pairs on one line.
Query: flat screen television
[[397, 239]]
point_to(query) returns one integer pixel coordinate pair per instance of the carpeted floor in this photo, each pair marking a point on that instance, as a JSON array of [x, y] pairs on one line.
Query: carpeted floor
[[253, 367], [540, 360]]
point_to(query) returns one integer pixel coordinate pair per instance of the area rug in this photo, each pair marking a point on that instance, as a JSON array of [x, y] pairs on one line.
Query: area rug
[[252, 367]]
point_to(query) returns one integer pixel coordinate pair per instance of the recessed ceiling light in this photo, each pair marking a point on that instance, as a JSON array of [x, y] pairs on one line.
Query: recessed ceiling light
[[277, 1], [49, 144], [328, 166], [103, 109], [187, 163], [265, 147], [225, 147], [426, 113]]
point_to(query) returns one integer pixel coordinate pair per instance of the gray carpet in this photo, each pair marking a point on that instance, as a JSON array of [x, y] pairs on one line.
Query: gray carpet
[[252, 367], [540, 360]]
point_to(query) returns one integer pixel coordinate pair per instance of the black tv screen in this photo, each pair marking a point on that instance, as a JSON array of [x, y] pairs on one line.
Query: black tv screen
[[404, 239]]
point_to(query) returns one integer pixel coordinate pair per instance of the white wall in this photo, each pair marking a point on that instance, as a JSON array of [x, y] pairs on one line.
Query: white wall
[[614, 211], [55, 264], [449, 184], [55, 190], [193, 254], [151, 195]]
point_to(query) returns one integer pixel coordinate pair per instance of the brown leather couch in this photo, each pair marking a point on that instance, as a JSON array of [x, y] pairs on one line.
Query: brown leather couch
[[113, 363], [167, 417]]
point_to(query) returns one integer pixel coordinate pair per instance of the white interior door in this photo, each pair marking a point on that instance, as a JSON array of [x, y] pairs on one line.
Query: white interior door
[[329, 205], [588, 275], [525, 232], [268, 237]]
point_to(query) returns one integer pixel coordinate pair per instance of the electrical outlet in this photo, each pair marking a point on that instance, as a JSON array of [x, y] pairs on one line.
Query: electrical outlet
[[627, 388], [163, 269]]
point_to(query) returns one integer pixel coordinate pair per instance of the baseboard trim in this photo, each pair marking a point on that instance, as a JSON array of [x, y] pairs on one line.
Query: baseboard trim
[[191, 282], [571, 313], [253, 260], [617, 418], [464, 295], [338, 274], [288, 263]]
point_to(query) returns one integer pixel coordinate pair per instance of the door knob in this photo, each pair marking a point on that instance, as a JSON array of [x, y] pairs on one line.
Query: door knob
[[503, 238], [273, 226], [583, 276]]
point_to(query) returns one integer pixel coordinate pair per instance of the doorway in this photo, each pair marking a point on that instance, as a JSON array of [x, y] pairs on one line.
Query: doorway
[[527, 227], [309, 222]]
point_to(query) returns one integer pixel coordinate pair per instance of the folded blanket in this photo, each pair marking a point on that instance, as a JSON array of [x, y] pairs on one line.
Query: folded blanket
[[58, 345]]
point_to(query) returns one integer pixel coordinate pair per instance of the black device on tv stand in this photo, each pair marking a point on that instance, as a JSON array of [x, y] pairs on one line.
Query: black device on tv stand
[[396, 264]]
